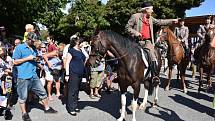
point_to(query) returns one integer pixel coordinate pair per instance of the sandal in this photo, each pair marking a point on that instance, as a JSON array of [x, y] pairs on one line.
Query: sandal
[[92, 96], [98, 95]]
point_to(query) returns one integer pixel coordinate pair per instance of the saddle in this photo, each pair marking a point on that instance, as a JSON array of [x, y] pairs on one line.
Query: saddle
[[145, 53]]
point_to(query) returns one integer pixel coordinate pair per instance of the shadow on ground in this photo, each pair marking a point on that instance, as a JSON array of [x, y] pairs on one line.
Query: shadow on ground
[[192, 104]]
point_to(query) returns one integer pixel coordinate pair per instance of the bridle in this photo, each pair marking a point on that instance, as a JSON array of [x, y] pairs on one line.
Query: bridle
[[103, 49]]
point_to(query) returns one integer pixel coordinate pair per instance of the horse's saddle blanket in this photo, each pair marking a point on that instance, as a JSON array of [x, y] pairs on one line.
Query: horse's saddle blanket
[[145, 56]]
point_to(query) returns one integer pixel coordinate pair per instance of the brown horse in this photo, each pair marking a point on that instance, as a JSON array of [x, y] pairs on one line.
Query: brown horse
[[131, 69], [175, 55], [205, 58]]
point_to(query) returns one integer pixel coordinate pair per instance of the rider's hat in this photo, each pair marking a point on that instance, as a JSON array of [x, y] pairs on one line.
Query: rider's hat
[[181, 19], [146, 5], [207, 17]]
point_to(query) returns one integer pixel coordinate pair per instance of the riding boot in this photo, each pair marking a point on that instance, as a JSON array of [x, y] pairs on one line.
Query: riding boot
[[154, 72]]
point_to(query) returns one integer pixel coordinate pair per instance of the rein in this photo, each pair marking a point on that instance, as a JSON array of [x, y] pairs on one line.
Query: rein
[[112, 59]]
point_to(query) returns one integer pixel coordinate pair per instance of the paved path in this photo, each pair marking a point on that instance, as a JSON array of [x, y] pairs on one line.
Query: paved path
[[174, 105]]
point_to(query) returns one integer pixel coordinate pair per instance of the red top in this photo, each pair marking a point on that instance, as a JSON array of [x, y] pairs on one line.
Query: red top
[[52, 47], [145, 28]]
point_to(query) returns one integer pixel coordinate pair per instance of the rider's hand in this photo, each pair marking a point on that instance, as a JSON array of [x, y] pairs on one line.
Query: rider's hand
[[175, 21], [67, 78], [139, 35]]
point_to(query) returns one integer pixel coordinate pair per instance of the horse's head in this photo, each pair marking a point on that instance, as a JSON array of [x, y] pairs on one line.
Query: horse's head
[[166, 34], [99, 47], [162, 34]]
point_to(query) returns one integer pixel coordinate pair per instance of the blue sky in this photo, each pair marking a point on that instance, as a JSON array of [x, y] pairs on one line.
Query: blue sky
[[104, 1], [207, 7]]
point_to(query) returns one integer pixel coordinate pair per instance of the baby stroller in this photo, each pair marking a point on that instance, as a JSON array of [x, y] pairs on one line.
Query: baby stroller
[[6, 96]]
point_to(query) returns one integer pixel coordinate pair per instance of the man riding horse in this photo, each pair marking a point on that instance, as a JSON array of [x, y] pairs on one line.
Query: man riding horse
[[182, 33], [140, 26], [202, 31]]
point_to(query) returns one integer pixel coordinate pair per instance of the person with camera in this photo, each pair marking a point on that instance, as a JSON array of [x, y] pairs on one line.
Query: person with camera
[[24, 57], [53, 66]]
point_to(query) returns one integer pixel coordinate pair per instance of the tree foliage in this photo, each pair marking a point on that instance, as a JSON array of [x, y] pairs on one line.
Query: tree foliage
[[119, 11], [15, 14], [84, 17]]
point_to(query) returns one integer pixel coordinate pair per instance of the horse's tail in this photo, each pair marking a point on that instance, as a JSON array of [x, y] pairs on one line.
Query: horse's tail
[[149, 86]]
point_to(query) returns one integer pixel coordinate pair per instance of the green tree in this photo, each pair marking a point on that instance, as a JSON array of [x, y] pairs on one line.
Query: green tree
[[15, 14], [84, 17]]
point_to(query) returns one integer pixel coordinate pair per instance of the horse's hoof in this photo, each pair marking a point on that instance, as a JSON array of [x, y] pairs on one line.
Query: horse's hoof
[[134, 120], [209, 89], [185, 90], [142, 106], [167, 88], [155, 104], [200, 89], [120, 119]]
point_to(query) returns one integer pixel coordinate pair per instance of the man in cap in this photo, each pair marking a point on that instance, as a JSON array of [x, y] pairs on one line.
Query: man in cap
[[25, 60], [201, 32], [182, 33], [140, 26]]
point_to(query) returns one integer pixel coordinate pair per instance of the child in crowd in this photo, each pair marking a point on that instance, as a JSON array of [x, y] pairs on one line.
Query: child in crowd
[[28, 28]]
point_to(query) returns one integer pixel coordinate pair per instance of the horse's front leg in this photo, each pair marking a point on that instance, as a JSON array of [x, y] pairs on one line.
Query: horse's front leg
[[210, 72], [136, 88], [123, 103], [169, 78], [209, 81], [146, 92], [200, 79], [182, 74], [155, 104]]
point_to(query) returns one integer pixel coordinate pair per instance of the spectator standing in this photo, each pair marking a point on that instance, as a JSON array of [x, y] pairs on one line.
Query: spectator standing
[[51, 43], [24, 58], [75, 64], [53, 68], [51, 47], [65, 51], [97, 75], [3, 39]]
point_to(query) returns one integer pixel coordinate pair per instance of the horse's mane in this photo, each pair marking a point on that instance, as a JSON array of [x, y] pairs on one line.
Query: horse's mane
[[171, 35], [129, 44]]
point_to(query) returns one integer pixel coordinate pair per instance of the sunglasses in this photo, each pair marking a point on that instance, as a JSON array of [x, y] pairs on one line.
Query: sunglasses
[[3, 30]]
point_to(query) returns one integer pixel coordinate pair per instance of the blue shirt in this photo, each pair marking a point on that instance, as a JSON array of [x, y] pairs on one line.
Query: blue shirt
[[76, 65], [27, 69]]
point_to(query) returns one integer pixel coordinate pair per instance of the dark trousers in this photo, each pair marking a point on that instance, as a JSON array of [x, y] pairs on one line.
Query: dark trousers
[[73, 91]]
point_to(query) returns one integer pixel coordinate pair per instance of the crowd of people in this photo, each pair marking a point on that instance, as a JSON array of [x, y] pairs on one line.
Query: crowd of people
[[31, 68]]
